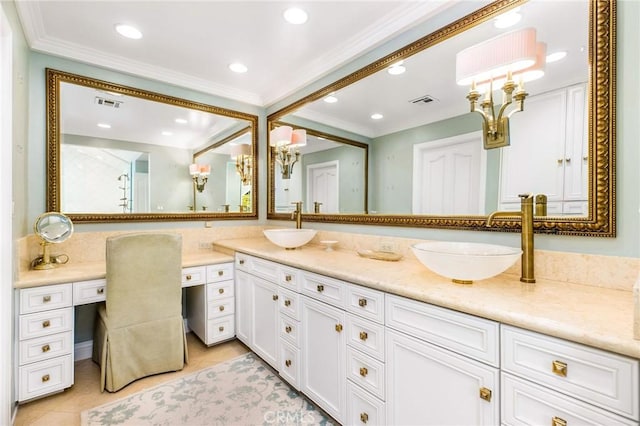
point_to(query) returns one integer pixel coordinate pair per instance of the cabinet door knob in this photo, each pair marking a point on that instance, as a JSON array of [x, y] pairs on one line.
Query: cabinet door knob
[[221, 328], [559, 368], [188, 277], [46, 298], [46, 323], [338, 328], [274, 297], [287, 302], [221, 308], [100, 290], [45, 378], [557, 421], [567, 160], [363, 335], [288, 363], [485, 394], [288, 329], [320, 288], [364, 371], [220, 273], [46, 348], [364, 417], [287, 278], [241, 261], [362, 302], [221, 290]]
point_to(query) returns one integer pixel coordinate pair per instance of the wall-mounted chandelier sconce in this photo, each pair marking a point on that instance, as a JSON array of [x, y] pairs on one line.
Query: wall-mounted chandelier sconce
[[242, 155], [506, 61], [199, 173], [285, 143]]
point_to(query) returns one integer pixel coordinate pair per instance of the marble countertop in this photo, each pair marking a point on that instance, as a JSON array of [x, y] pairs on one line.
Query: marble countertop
[[594, 316], [83, 271]]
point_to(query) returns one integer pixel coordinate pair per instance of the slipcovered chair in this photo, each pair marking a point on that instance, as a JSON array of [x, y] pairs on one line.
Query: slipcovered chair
[[139, 328]]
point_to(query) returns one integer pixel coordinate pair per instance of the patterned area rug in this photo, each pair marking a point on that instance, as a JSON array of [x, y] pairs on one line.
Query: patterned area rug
[[242, 391]]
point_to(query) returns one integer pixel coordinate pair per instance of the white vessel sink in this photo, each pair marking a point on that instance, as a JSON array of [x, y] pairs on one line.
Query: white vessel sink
[[465, 262], [290, 238]]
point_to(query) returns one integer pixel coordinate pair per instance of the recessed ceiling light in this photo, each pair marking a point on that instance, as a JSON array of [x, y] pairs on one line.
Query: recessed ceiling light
[[331, 99], [104, 125], [181, 121], [238, 67], [166, 133], [556, 56], [396, 68], [508, 19], [128, 31], [376, 116], [295, 16]]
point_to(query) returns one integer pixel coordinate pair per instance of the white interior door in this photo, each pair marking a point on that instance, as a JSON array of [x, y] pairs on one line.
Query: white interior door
[[449, 176], [322, 186]]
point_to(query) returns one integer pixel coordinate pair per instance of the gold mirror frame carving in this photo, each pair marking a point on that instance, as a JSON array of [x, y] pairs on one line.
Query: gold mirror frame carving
[[600, 221], [54, 78]]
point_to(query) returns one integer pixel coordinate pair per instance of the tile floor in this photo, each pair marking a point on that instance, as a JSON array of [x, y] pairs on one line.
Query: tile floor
[[64, 408]]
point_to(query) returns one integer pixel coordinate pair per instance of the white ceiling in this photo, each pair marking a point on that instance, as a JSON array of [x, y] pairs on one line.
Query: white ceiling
[[191, 43]]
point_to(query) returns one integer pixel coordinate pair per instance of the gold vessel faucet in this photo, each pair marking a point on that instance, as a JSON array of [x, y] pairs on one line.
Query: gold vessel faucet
[[297, 214], [526, 230]]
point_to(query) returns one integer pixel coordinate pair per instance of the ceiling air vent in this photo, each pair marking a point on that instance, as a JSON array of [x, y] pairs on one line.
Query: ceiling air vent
[[426, 99], [108, 102]]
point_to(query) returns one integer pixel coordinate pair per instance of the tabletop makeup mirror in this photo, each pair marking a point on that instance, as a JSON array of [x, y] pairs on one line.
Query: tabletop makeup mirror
[[427, 163], [118, 153], [52, 228]]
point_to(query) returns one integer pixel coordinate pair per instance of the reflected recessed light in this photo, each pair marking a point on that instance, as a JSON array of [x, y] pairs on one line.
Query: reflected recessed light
[[181, 121], [166, 133], [295, 16], [556, 56], [104, 125], [331, 99], [238, 67], [376, 116], [128, 31], [396, 68], [508, 19]]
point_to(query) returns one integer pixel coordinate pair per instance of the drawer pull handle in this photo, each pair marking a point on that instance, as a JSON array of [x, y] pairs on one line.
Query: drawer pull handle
[[287, 278], [241, 261], [320, 288], [221, 290], [363, 335], [188, 277], [46, 298], [221, 308], [221, 328], [485, 394], [287, 302], [45, 378], [362, 302], [274, 297], [46, 323], [288, 329], [338, 328], [100, 290], [46, 348], [559, 368], [364, 417], [557, 421], [288, 363], [220, 273], [364, 371]]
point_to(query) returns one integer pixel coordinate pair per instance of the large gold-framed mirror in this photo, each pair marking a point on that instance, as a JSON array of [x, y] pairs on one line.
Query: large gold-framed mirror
[[582, 202], [118, 153]]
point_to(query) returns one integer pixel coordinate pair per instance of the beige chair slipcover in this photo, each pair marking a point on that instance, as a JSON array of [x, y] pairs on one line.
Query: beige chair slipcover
[[139, 328]]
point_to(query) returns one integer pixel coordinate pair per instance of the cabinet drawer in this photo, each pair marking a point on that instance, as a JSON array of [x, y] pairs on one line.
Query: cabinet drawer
[[290, 330], [526, 403], [45, 377], [289, 367], [45, 347], [221, 307], [290, 278], [468, 335], [219, 329], [592, 375], [45, 323], [89, 292], [219, 272], [289, 303], [220, 290], [365, 371], [38, 299], [366, 336], [242, 262], [194, 276], [326, 289], [364, 408], [366, 303]]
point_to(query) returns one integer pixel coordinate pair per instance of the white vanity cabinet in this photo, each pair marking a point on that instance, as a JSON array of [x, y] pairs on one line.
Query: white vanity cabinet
[[210, 302], [45, 340], [549, 380]]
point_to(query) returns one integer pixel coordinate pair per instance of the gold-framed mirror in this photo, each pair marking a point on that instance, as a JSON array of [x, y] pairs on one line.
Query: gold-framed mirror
[[586, 203], [117, 154]]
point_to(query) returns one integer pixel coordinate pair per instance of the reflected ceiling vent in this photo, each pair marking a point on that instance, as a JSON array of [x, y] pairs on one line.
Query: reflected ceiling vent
[[426, 99], [108, 102]]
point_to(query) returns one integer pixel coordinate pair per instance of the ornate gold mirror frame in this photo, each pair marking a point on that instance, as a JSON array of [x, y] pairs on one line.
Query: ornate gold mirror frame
[[54, 80], [600, 220]]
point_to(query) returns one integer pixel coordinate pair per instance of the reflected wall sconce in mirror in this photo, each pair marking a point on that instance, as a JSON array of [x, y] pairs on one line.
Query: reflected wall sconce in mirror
[[199, 173], [286, 143], [501, 62], [242, 154]]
